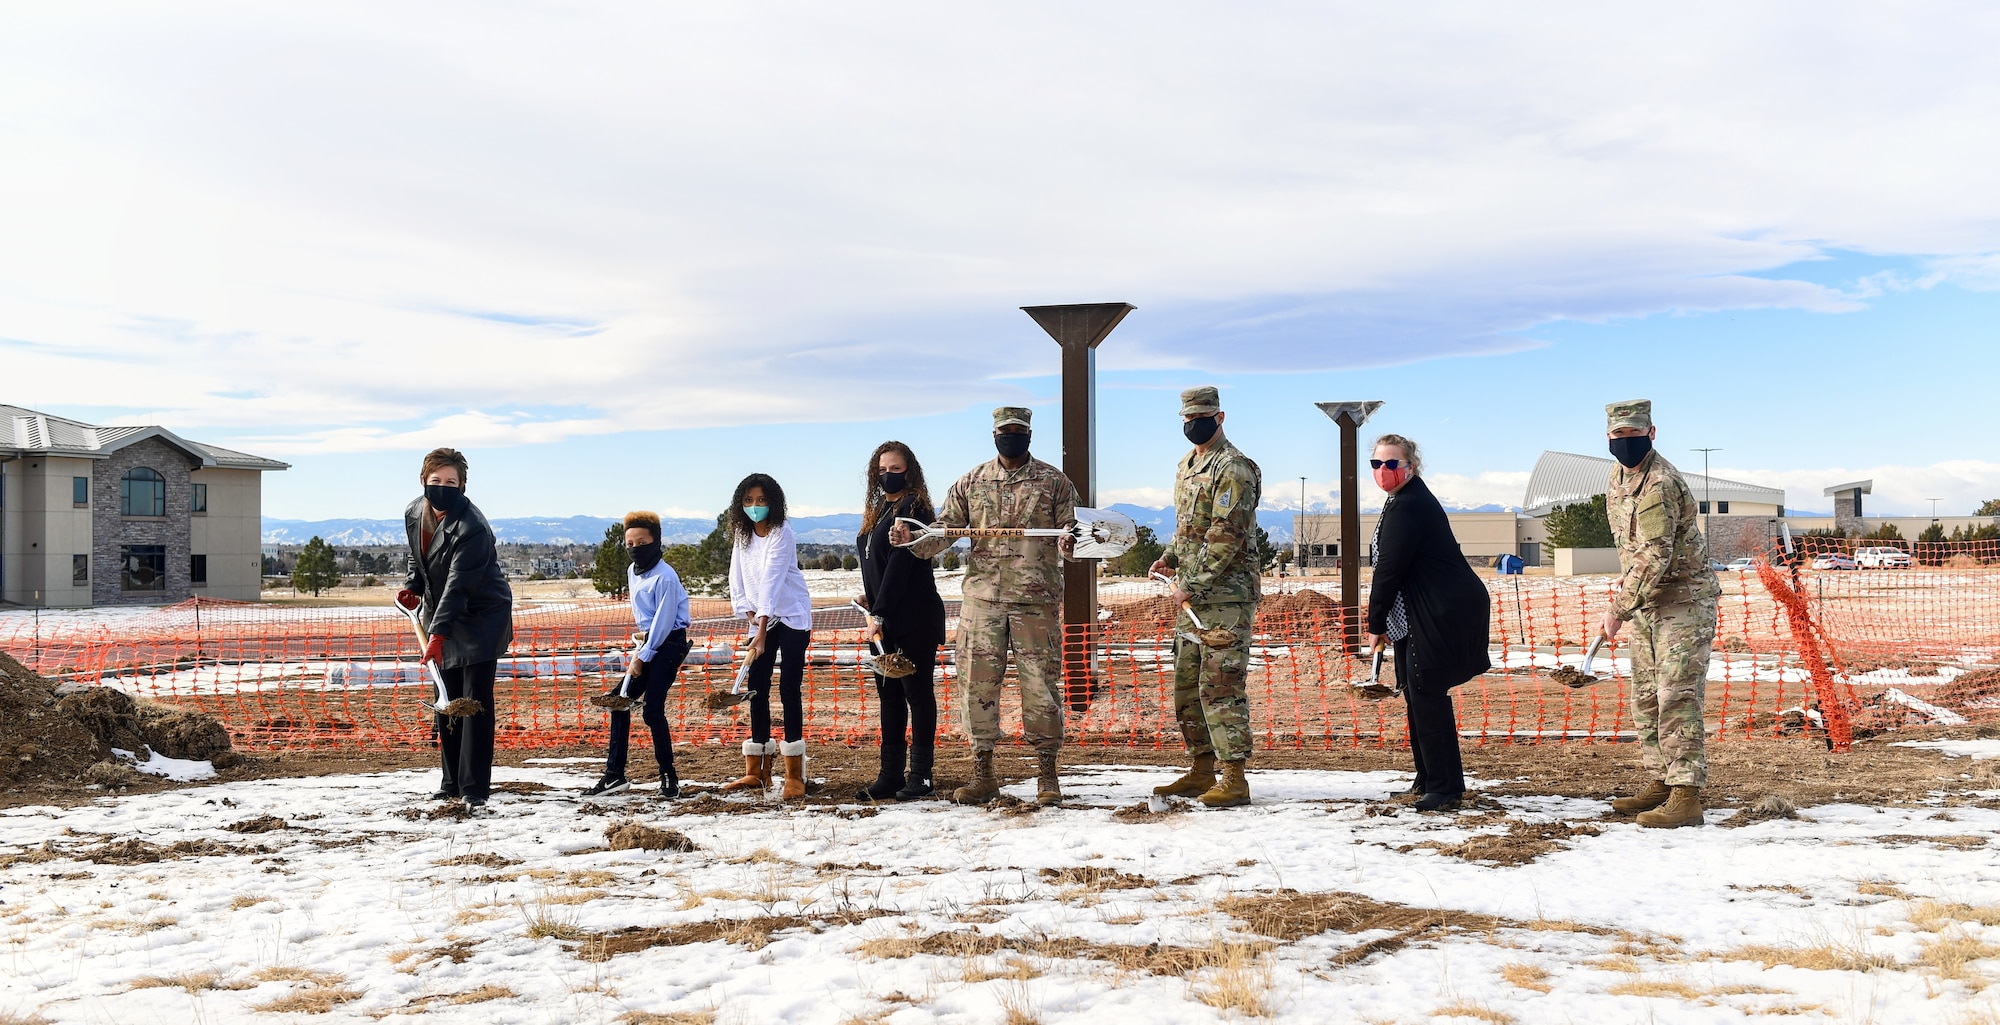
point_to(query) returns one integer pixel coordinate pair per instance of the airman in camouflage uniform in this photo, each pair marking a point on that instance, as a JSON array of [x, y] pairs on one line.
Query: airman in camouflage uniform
[[1668, 593], [1013, 594], [1216, 491]]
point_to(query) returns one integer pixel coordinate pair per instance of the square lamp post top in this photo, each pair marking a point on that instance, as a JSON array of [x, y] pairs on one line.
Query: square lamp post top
[[1357, 413]]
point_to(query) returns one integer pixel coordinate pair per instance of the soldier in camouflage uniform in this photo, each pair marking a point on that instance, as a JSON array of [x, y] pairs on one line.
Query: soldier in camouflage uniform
[[1216, 491], [1668, 593], [1013, 595]]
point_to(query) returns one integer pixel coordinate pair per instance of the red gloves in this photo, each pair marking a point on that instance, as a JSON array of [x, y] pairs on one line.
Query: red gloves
[[434, 651], [409, 599]]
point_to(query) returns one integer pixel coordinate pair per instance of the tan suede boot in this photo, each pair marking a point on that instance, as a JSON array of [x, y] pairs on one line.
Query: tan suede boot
[[1194, 783], [795, 771], [1653, 796], [984, 786], [1232, 790], [756, 770], [1048, 783], [1682, 809]]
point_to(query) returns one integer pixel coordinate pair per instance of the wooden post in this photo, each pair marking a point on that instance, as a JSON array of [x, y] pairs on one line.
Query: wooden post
[[1350, 416]]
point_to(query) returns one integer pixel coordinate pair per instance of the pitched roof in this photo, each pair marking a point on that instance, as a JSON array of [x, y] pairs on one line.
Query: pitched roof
[[1561, 478], [26, 431]]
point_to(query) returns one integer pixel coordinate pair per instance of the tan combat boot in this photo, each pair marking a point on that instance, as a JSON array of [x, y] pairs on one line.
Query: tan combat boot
[[756, 769], [1196, 781], [795, 771], [1232, 790], [1652, 797], [1682, 809], [984, 786], [1048, 785]]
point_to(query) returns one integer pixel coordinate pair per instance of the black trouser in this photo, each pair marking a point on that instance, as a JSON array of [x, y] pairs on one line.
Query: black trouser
[[1433, 728], [910, 702], [465, 744], [791, 682], [652, 680]]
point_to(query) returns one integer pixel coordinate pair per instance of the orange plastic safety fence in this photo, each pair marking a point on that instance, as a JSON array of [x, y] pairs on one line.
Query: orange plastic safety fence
[[1795, 648]]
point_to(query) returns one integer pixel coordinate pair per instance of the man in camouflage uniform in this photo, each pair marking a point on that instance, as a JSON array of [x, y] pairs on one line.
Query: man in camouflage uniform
[[1216, 491], [1013, 595], [1668, 593]]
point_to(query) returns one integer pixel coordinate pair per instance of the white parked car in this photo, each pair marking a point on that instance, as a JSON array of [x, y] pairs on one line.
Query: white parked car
[[1884, 557], [1745, 564]]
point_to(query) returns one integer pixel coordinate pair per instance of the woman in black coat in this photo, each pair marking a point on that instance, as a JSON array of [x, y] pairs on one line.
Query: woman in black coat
[[906, 615], [1429, 603], [468, 611]]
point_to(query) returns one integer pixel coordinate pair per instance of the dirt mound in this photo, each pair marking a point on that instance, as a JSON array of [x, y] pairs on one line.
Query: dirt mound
[[1154, 612], [1303, 608], [258, 824], [1981, 687], [48, 738], [631, 834]]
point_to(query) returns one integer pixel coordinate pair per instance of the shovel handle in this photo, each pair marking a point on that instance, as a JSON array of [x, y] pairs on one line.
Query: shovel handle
[[1185, 607]]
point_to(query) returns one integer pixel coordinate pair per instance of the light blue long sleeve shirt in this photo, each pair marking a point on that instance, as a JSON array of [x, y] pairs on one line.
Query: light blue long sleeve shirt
[[659, 605]]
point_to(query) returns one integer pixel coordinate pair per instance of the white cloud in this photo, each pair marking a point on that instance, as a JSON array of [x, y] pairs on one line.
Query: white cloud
[[1959, 485], [360, 227]]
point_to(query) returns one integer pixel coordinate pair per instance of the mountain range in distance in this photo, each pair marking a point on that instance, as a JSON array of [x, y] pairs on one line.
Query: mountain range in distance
[[836, 529]]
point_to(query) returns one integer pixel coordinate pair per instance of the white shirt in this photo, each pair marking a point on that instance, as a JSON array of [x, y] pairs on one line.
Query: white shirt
[[764, 579]]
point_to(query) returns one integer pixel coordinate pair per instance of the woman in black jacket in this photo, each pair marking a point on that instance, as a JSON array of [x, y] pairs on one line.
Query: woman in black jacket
[[906, 615], [468, 611], [1429, 603]]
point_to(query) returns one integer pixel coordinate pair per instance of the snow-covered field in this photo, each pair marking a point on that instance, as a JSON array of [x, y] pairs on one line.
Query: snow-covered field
[[1320, 903]]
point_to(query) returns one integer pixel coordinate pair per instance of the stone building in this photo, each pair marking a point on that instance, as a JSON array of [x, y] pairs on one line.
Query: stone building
[[124, 515]]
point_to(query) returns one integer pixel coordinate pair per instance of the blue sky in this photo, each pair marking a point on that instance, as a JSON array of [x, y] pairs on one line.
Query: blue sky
[[623, 256]]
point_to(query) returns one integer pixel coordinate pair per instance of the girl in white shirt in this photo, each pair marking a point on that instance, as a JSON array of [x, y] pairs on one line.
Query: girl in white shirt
[[766, 588]]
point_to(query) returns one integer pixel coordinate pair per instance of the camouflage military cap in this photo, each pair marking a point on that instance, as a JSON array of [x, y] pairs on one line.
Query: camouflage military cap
[[1012, 415], [1200, 401], [1629, 413]]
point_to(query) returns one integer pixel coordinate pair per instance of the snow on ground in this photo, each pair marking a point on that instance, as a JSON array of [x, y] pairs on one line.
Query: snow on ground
[[929, 912], [1974, 749]]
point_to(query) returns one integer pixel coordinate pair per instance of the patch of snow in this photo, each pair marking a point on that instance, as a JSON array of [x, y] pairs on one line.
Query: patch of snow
[[1973, 749], [180, 770]]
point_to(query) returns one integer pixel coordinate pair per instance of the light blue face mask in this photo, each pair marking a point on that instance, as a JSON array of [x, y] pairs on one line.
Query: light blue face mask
[[756, 512]]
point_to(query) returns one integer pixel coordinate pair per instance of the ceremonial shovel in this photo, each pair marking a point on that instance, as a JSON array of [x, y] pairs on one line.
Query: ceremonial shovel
[[1575, 678], [893, 667], [618, 699], [1207, 638], [455, 708], [1099, 533], [1373, 688], [738, 692]]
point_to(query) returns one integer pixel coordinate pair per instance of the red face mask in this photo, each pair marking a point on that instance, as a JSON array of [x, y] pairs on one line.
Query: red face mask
[[1390, 480]]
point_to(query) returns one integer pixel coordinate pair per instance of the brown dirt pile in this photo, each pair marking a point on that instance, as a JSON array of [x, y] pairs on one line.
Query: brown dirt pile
[[1300, 611], [49, 740], [631, 834]]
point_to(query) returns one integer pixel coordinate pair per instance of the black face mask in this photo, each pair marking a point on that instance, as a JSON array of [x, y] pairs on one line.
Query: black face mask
[[1631, 451], [894, 482], [445, 498], [1013, 446], [645, 556], [1200, 429]]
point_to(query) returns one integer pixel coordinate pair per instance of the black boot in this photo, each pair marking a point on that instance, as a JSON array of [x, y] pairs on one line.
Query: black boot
[[889, 778], [920, 774], [670, 784]]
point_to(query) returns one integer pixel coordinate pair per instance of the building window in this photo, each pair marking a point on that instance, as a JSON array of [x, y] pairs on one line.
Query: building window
[[79, 570], [1701, 507], [198, 498], [197, 569], [145, 568], [142, 492], [79, 490], [1722, 508]]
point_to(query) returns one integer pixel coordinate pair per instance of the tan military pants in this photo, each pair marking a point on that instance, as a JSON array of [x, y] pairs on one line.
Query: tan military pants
[[1670, 646], [986, 632]]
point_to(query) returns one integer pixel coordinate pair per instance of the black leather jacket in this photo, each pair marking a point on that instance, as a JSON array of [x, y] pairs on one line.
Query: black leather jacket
[[466, 597]]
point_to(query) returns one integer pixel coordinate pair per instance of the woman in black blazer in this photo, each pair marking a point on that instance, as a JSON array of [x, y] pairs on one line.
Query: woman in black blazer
[[906, 615], [1428, 602], [468, 611]]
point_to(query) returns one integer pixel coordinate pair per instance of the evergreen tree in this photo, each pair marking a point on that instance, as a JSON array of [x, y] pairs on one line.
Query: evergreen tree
[[950, 560], [317, 569], [1582, 525], [1265, 552], [1885, 532], [608, 573], [1990, 507], [850, 562], [1932, 533]]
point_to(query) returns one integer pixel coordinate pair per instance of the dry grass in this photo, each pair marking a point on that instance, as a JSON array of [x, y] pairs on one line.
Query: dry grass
[[1952, 952], [470, 996], [1826, 956], [976, 969], [244, 900], [19, 1018], [293, 973], [310, 1000], [670, 1018], [1239, 982], [191, 982], [1666, 988], [1937, 916], [1526, 976], [1471, 1009], [1017, 1005], [550, 918], [1881, 890]]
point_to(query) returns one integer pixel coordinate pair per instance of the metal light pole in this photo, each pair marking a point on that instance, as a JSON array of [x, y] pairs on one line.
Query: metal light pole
[[1350, 416], [1079, 329], [1707, 506], [1933, 502], [1299, 535]]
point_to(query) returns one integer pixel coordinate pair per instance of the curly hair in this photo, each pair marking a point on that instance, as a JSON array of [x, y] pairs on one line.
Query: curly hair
[[1409, 448], [644, 519], [741, 530], [871, 507]]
